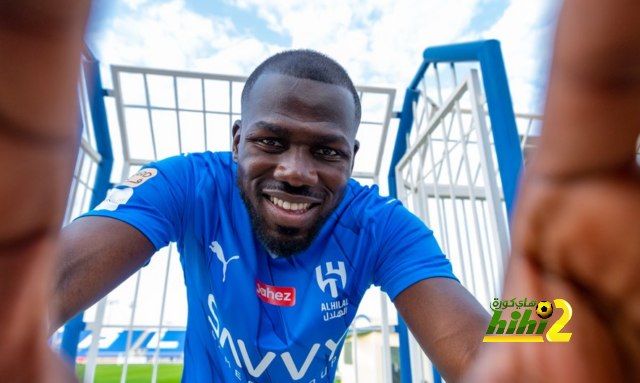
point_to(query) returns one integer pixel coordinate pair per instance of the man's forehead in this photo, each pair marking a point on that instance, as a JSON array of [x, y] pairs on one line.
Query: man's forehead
[[299, 98]]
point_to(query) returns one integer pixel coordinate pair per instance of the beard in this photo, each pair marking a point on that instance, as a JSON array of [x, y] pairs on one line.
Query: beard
[[290, 243]]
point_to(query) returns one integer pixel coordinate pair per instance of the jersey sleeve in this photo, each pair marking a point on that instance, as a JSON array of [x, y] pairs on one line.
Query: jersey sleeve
[[408, 252], [155, 200]]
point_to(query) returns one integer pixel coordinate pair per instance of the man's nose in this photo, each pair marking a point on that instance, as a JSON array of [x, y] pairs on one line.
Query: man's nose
[[296, 168]]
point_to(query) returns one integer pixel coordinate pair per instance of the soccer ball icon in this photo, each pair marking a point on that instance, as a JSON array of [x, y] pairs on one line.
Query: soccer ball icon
[[544, 309]]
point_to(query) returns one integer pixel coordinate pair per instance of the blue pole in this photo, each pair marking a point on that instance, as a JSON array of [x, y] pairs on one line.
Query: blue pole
[[454, 53], [503, 120], [404, 128], [436, 375], [72, 330]]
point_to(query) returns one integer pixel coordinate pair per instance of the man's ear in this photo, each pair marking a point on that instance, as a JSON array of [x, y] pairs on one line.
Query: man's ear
[[356, 147], [236, 131]]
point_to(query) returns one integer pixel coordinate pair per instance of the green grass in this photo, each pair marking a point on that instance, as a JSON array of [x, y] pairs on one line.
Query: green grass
[[136, 373]]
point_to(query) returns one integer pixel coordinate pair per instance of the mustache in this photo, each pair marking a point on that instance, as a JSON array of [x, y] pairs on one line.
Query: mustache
[[287, 188]]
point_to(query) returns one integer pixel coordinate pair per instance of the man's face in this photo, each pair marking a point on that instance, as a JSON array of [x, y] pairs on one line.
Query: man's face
[[295, 149]]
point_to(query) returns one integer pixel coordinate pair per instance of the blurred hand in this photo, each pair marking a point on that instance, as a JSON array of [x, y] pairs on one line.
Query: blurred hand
[[40, 45], [576, 233]]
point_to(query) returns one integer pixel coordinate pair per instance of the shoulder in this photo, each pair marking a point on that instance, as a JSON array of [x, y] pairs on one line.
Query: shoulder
[[367, 209], [216, 161], [366, 201], [194, 167], [365, 206]]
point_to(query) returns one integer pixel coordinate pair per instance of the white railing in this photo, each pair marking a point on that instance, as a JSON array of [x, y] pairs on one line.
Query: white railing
[[84, 174], [449, 177]]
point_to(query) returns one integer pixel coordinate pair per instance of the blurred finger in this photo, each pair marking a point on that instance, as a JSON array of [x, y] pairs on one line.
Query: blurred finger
[[592, 116]]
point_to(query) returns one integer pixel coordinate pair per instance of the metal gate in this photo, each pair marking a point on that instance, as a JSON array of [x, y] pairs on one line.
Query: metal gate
[[457, 160]]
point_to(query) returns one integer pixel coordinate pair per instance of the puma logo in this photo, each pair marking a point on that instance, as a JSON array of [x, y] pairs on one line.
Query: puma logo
[[215, 247]]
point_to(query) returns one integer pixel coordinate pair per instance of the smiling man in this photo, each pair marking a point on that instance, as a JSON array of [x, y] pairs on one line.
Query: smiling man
[[277, 243], [267, 302]]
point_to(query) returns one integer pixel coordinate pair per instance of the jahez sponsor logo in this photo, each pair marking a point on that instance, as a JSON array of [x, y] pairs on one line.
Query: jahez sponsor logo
[[279, 296]]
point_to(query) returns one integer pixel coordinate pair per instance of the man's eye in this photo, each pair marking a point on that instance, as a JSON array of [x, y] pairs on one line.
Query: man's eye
[[328, 152], [270, 142]]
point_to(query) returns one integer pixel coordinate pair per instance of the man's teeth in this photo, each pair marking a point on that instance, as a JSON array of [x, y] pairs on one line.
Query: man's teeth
[[289, 205]]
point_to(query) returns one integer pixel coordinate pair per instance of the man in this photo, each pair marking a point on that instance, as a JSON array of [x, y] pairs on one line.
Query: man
[[277, 244], [576, 212]]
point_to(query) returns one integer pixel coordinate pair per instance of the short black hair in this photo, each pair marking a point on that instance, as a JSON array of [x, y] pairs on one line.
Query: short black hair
[[307, 64]]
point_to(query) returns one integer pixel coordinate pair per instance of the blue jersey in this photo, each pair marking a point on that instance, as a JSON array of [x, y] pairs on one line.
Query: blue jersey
[[258, 318]]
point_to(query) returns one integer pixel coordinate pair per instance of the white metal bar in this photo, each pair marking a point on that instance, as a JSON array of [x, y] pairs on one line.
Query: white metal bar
[[125, 170], [85, 111], [437, 79], [386, 346], [427, 370], [115, 75], [90, 151], [148, 101], [418, 119], [175, 95], [138, 162], [385, 130], [362, 175], [184, 110], [170, 73], [415, 355], [87, 190], [400, 185], [85, 183], [491, 255], [70, 202], [156, 354], [204, 115], [423, 198], [425, 205], [143, 327], [92, 355], [468, 237], [231, 113], [427, 103], [498, 224], [74, 190], [364, 122], [415, 176], [129, 330], [221, 77], [526, 136], [420, 199], [354, 328], [460, 191]]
